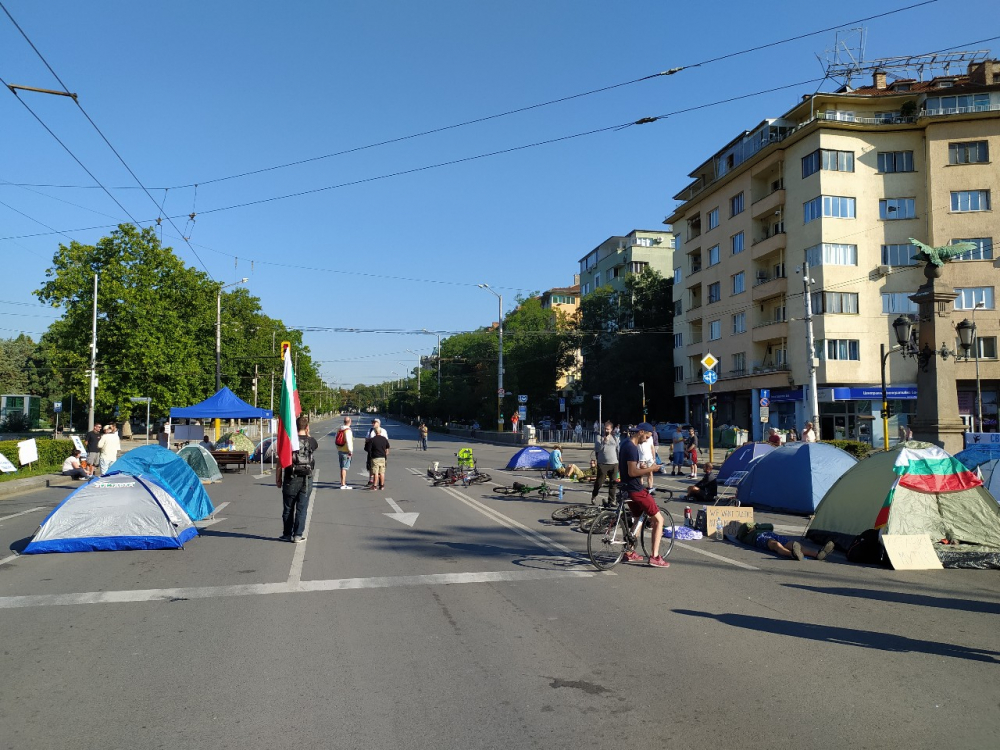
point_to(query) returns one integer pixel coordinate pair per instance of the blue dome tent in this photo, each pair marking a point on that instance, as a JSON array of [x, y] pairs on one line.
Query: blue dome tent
[[172, 471], [794, 477], [531, 457], [741, 459]]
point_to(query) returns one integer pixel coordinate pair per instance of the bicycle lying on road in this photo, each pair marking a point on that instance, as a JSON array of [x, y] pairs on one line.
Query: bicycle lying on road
[[456, 475], [615, 531], [523, 490]]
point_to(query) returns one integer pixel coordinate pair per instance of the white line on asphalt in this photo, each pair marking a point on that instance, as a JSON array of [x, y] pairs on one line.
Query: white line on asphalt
[[23, 513], [299, 558], [219, 507], [9, 558], [714, 556], [210, 521], [416, 472], [258, 589], [549, 545]]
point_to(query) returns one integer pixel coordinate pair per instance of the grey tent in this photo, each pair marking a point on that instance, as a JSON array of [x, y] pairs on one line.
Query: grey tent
[[202, 462]]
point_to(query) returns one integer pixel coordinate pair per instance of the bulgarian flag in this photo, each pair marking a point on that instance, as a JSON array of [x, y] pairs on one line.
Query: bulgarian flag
[[928, 469], [288, 410]]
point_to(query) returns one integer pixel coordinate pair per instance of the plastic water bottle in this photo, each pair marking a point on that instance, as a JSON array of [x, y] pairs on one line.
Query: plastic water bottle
[[718, 529], [560, 492]]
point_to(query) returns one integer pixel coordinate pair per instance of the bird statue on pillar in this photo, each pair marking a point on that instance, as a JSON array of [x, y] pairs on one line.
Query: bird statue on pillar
[[937, 256]]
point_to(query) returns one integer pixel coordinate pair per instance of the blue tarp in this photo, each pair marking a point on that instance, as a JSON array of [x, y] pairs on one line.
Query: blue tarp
[[986, 459], [223, 405], [172, 471], [531, 457], [794, 477], [741, 458]]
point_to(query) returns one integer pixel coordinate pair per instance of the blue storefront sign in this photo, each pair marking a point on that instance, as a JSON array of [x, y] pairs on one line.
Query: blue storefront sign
[[861, 393]]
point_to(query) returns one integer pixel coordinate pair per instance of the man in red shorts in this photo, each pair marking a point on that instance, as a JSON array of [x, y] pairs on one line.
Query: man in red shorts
[[639, 498]]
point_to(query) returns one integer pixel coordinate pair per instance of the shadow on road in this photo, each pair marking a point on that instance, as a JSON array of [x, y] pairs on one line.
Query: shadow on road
[[848, 636], [898, 597]]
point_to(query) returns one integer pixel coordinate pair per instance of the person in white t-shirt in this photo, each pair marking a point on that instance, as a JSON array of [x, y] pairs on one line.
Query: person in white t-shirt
[[809, 433], [109, 445], [73, 468]]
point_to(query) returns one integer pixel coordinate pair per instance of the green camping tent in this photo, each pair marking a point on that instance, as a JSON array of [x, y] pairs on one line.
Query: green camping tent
[[237, 441], [204, 465], [915, 488]]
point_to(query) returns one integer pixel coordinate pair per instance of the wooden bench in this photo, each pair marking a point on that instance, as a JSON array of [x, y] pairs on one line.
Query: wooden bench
[[231, 458]]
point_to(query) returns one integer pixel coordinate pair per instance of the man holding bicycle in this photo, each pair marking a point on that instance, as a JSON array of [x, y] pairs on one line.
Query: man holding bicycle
[[639, 498]]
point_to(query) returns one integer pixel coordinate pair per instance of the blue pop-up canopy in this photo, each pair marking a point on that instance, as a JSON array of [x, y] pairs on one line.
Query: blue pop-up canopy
[[223, 405]]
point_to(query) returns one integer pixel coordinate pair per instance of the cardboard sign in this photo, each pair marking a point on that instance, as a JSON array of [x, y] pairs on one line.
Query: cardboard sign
[[6, 466], [78, 444], [27, 451], [732, 519], [911, 552]]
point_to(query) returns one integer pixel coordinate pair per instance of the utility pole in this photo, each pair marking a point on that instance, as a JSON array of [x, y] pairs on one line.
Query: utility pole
[[500, 362], [93, 361], [813, 400]]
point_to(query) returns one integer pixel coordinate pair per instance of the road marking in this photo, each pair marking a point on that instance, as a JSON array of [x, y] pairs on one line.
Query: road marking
[[210, 521], [22, 513], [550, 546], [299, 558], [416, 472], [260, 589], [9, 558], [714, 556], [408, 518], [219, 507]]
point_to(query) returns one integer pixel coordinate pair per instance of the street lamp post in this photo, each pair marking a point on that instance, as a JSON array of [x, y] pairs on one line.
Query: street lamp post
[[218, 331], [500, 362], [643, 386], [438, 358], [979, 391], [418, 375]]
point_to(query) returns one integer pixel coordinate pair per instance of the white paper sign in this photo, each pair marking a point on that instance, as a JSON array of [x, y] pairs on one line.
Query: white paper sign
[[6, 466], [911, 552], [78, 444], [274, 425], [27, 451]]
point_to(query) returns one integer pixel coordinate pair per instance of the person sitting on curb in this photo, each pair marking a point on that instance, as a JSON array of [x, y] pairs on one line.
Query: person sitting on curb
[[705, 490], [762, 536], [73, 468], [556, 466]]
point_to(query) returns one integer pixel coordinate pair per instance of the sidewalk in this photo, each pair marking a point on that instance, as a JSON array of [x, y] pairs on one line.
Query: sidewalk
[[13, 487]]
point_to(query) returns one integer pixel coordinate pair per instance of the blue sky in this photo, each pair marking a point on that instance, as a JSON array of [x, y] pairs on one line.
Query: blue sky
[[189, 92]]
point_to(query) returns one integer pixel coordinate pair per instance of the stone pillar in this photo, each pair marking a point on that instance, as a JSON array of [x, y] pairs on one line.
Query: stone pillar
[[937, 419]]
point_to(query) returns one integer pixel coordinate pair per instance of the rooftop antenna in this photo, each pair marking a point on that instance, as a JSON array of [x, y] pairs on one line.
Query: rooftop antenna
[[846, 59]]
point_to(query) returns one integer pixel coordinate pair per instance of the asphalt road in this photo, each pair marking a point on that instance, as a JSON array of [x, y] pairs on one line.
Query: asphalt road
[[481, 626]]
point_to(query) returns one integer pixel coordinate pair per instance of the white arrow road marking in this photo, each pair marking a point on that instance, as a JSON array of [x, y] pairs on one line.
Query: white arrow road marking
[[408, 518], [23, 513]]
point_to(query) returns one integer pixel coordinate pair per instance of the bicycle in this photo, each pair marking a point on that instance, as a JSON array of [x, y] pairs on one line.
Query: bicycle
[[523, 490], [614, 531]]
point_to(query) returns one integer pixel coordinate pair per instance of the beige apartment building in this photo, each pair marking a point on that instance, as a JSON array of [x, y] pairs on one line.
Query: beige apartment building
[[565, 302], [841, 182], [616, 257]]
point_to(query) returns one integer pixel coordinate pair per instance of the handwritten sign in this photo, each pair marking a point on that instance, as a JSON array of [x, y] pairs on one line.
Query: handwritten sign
[[27, 451], [911, 552], [732, 518], [6, 466]]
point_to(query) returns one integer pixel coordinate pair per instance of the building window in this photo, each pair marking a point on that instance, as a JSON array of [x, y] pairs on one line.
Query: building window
[[950, 105], [679, 374], [898, 255], [715, 330], [736, 205], [895, 161], [847, 349], [713, 255], [739, 323], [714, 292], [897, 208], [831, 254], [970, 296], [739, 283], [737, 243], [638, 266], [835, 303], [898, 303], [597, 279], [694, 227], [837, 161], [968, 152], [678, 307], [983, 251], [987, 347], [695, 261], [830, 206], [644, 241], [678, 276], [970, 200], [713, 218], [739, 364], [678, 340], [586, 288]]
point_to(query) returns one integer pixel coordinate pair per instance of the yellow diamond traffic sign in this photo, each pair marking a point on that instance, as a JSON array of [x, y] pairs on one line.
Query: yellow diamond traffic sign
[[709, 361]]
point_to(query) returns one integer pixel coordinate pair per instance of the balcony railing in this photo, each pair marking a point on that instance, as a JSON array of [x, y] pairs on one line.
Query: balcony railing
[[959, 110]]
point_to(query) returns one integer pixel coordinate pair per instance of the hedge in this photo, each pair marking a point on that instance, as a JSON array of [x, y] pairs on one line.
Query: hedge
[[856, 448], [51, 453]]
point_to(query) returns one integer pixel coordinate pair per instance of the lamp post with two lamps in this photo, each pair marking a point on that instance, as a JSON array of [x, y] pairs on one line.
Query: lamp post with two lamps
[[218, 331]]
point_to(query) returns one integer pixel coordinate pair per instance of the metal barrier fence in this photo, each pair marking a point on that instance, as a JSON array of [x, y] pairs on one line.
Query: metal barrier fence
[[565, 437]]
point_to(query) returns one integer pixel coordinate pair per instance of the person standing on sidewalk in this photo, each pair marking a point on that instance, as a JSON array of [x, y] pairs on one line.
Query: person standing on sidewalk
[[345, 450], [378, 450], [606, 452], [93, 448], [295, 484], [422, 432]]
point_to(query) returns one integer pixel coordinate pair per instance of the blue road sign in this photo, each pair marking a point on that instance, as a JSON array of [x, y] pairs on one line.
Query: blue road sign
[[710, 377], [765, 402], [765, 393]]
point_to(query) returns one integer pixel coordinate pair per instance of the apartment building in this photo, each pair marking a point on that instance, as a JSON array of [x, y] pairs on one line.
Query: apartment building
[[841, 181], [564, 302], [616, 257]]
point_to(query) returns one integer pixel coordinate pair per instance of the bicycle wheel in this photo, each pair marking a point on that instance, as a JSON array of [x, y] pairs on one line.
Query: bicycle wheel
[[443, 481], [606, 540], [587, 516], [567, 512], [646, 535], [481, 478]]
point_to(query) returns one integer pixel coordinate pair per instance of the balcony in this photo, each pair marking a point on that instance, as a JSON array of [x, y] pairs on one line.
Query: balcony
[[765, 287], [768, 205], [768, 330], [768, 245]]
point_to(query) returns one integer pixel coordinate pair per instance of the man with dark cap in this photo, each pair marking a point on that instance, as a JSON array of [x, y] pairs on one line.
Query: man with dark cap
[[639, 498]]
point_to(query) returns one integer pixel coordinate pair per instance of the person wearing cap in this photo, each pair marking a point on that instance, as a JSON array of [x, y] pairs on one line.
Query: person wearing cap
[[639, 498]]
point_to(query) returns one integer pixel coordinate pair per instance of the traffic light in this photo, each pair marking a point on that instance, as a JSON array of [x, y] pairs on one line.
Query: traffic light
[[887, 411], [712, 404]]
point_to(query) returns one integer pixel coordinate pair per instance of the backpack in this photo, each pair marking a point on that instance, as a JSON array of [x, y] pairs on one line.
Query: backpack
[[867, 549], [341, 440], [302, 459]]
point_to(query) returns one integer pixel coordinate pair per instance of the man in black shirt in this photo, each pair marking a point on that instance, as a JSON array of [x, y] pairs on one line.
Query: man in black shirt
[[639, 498], [378, 450], [93, 451], [297, 484], [705, 490]]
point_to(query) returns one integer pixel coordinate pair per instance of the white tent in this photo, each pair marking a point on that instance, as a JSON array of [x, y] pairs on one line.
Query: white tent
[[114, 512]]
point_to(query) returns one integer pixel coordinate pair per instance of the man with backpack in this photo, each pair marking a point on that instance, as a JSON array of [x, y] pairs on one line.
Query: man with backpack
[[297, 484], [345, 449]]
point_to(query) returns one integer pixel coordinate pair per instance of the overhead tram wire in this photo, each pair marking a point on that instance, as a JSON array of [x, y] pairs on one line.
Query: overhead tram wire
[[518, 110], [103, 137]]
